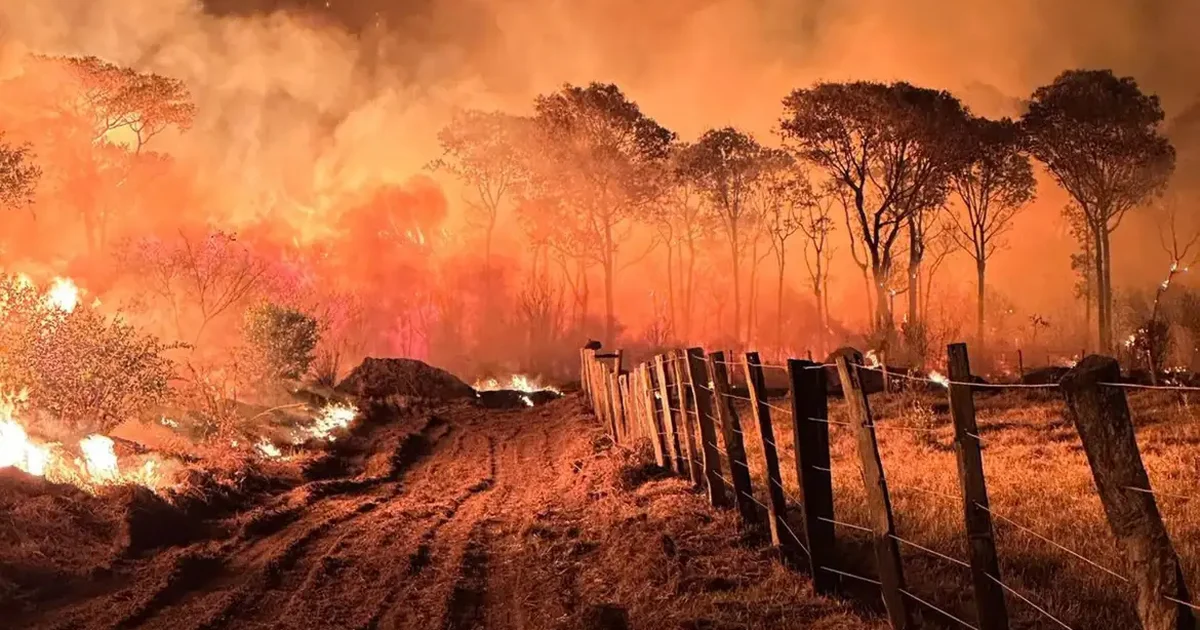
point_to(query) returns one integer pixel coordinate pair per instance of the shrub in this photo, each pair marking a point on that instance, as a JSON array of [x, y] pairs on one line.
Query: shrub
[[282, 339], [87, 370]]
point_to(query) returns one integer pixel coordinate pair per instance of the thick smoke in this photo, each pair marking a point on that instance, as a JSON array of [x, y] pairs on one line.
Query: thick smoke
[[299, 109]]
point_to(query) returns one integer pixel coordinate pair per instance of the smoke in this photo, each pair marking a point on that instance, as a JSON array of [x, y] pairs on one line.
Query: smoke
[[301, 109]]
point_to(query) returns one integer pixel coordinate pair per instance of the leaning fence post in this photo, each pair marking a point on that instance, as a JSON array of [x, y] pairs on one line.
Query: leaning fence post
[[781, 536], [735, 449], [675, 459], [887, 551], [685, 426], [985, 567], [810, 434], [1101, 416], [698, 373]]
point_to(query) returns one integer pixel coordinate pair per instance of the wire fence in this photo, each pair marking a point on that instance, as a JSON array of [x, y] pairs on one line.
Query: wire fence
[[690, 389]]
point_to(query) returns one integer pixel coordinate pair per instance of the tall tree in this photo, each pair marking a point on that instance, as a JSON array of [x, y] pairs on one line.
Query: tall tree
[[784, 195], [19, 175], [992, 184], [816, 222], [682, 221], [1098, 135], [886, 146], [603, 158], [484, 151], [726, 164]]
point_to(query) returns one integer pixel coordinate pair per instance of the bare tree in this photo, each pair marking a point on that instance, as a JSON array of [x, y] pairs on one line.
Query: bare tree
[[1099, 137], [816, 222], [993, 183]]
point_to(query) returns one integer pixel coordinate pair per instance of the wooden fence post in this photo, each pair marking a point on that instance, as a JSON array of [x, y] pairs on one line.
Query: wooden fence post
[[1020, 365], [985, 567], [887, 380], [810, 434], [887, 550], [698, 374], [653, 419], [781, 535], [583, 374], [613, 397], [685, 426], [623, 411], [1101, 415], [675, 458], [735, 449]]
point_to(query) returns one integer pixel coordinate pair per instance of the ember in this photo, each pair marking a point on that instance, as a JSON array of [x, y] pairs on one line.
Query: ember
[[516, 383]]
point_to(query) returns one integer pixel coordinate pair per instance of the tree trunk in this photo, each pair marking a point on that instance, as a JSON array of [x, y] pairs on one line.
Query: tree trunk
[[671, 288], [883, 310], [688, 286], [980, 266], [870, 296], [779, 304], [584, 295], [1104, 297], [915, 255], [737, 284], [609, 268], [752, 298]]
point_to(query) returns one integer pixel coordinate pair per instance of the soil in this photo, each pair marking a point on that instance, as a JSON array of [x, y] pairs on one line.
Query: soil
[[456, 518]]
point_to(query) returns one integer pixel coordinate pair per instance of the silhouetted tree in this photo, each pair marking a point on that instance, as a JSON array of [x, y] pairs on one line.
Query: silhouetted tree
[[887, 147], [602, 158], [19, 175], [816, 222], [726, 164], [992, 184], [1098, 135]]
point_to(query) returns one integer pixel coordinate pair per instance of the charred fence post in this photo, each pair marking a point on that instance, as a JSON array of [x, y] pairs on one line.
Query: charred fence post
[[985, 566], [1101, 416], [671, 437], [686, 392], [698, 374], [781, 537], [735, 448], [887, 550], [810, 434]]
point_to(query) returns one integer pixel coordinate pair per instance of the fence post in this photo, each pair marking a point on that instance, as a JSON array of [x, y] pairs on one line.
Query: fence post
[[612, 396], [810, 434], [989, 596], [1020, 365], [685, 426], [887, 379], [735, 449], [653, 419], [781, 536], [1101, 416], [887, 550], [675, 461], [698, 373], [583, 374], [621, 396]]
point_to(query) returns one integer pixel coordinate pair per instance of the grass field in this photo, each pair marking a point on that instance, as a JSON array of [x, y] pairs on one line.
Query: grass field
[[1038, 480]]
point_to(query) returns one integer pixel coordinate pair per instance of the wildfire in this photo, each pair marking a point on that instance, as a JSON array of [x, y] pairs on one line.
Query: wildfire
[[63, 294], [267, 449], [527, 400], [516, 382], [939, 378], [333, 416]]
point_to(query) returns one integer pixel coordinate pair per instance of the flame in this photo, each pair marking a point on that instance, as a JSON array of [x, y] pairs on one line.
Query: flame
[[1130, 340], [16, 450], [332, 417], [63, 294], [267, 449], [99, 458], [527, 400], [516, 382], [872, 359], [939, 378]]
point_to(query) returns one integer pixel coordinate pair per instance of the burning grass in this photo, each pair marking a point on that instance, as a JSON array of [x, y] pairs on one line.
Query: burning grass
[[1038, 481]]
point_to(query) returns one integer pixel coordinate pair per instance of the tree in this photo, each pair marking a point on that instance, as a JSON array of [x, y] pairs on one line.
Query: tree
[[18, 174], [887, 148], [785, 197], [992, 184], [683, 221], [601, 157], [817, 224], [484, 151], [1098, 135], [282, 339], [726, 165]]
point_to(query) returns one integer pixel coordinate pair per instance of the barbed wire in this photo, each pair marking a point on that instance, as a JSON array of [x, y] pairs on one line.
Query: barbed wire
[[931, 606], [1183, 497], [849, 525], [1175, 388], [851, 575], [1027, 601], [1050, 542], [930, 551]]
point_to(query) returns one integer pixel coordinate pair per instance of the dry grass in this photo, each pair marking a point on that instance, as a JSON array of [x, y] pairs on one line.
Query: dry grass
[[1038, 476]]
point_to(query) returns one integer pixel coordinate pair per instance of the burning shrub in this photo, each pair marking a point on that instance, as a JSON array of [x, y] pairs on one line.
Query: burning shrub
[[87, 370], [282, 339]]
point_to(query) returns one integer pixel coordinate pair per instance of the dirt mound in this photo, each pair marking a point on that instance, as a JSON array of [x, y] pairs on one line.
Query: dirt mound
[[380, 378]]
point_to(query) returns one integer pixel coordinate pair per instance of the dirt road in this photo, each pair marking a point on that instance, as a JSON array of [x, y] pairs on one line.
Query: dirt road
[[461, 519]]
